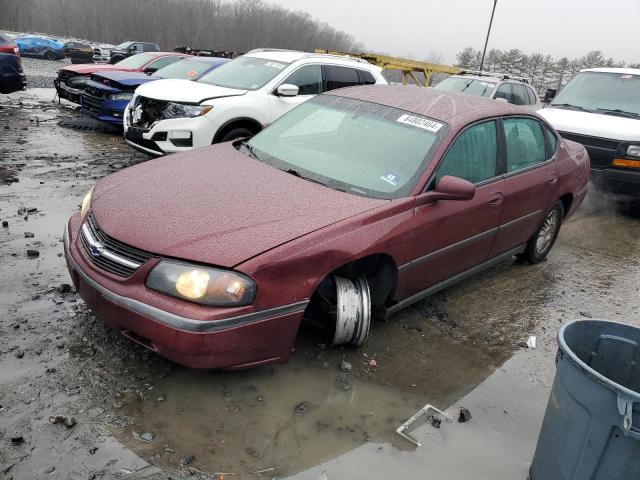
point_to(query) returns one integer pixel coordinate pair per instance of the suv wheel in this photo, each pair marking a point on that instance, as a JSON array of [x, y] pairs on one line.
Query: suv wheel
[[235, 133], [541, 242], [50, 55]]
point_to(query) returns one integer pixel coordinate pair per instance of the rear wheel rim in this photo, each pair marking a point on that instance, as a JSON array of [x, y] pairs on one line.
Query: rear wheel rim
[[547, 232]]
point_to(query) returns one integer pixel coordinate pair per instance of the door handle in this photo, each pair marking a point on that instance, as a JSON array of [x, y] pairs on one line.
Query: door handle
[[496, 200]]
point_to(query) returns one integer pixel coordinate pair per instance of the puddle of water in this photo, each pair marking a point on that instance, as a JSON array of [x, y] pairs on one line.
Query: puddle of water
[[247, 421]]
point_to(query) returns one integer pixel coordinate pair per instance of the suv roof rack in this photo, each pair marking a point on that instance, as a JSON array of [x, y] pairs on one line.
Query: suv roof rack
[[258, 50], [502, 76], [341, 57]]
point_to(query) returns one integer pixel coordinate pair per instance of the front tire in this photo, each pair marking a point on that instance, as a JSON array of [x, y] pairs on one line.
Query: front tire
[[50, 55], [543, 240], [235, 133], [352, 311]]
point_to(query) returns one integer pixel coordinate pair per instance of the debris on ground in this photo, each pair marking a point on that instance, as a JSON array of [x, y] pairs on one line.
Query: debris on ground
[[373, 363], [187, 461], [64, 288], [531, 342], [29, 235], [345, 366], [586, 314], [68, 422], [343, 382], [146, 437], [32, 253], [17, 440], [435, 421], [401, 430], [302, 407], [464, 416]]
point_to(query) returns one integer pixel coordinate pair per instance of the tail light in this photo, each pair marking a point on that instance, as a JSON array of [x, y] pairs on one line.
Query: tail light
[[16, 51]]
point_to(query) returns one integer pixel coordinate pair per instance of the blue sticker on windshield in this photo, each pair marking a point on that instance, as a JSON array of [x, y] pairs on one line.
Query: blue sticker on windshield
[[391, 178]]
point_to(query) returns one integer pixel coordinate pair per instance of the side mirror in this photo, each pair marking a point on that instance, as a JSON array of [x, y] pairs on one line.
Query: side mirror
[[287, 90], [549, 95], [150, 70], [449, 188]]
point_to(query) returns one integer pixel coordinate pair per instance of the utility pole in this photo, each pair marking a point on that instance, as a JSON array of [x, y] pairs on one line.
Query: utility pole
[[486, 42]]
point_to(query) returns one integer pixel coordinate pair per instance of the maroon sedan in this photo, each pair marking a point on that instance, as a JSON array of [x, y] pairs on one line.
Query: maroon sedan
[[354, 205]]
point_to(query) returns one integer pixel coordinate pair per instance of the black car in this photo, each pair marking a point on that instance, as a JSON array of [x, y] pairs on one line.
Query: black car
[[128, 49], [11, 77], [78, 52]]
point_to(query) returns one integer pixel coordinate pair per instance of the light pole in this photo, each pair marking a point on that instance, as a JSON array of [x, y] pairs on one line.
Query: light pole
[[495, 2]]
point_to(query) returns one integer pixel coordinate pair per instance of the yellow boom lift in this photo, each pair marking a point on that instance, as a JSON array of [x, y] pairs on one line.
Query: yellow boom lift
[[408, 68]]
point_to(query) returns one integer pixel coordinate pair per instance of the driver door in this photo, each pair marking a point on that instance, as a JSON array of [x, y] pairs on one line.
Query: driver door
[[455, 236], [308, 79]]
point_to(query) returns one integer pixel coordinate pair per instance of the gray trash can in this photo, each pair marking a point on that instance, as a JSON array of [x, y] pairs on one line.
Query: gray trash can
[[591, 429]]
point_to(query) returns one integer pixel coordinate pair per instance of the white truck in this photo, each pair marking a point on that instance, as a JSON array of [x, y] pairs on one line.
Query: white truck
[[600, 108]]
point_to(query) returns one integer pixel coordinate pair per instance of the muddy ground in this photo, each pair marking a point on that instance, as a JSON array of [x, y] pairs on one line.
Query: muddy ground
[[56, 358]]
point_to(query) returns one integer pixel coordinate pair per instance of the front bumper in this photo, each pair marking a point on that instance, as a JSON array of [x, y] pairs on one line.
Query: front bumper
[[158, 139], [240, 341], [621, 184], [68, 93], [110, 111]]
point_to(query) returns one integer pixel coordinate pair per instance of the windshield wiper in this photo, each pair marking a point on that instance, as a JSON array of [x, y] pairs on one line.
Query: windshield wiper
[[296, 173], [617, 111], [250, 149], [569, 105]]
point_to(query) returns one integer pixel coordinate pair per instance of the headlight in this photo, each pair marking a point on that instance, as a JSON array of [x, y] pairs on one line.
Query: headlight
[[121, 96], [180, 110], [204, 285], [633, 150], [86, 203]]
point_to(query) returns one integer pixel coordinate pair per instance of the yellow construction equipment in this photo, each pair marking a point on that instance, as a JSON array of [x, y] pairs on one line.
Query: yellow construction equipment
[[408, 68]]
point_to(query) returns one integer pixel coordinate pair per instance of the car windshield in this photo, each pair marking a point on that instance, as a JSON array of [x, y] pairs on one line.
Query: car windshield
[[351, 145], [245, 73], [186, 68], [467, 85], [136, 61], [125, 45], [617, 93]]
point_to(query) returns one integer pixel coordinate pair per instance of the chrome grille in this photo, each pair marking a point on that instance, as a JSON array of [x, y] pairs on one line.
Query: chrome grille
[[108, 253]]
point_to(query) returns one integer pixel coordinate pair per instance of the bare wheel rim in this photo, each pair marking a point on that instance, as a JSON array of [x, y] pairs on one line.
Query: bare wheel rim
[[353, 311], [547, 232]]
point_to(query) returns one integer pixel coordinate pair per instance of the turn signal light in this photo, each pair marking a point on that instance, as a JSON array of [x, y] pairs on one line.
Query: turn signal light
[[623, 162]]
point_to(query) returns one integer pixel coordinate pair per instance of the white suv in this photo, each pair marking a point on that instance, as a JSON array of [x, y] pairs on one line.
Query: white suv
[[237, 99]]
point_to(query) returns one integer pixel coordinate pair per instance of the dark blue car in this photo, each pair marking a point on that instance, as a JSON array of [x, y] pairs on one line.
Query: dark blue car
[[11, 77], [107, 94]]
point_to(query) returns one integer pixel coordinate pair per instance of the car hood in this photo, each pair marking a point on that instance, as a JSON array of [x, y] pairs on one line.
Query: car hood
[[125, 78], [592, 124], [187, 91], [87, 69], [215, 205]]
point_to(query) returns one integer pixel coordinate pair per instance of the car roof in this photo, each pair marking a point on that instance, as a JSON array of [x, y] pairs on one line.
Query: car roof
[[290, 56], [163, 54], [624, 71], [497, 78], [440, 105], [211, 60]]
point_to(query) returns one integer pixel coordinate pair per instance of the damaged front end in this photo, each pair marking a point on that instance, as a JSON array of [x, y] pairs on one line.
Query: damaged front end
[[70, 85]]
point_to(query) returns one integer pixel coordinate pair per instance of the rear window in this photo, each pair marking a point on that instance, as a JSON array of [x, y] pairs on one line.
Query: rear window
[[136, 61], [367, 77], [340, 77]]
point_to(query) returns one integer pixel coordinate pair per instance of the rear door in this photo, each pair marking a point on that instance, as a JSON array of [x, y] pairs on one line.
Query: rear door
[[530, 181], [454, 236], [308, 79]]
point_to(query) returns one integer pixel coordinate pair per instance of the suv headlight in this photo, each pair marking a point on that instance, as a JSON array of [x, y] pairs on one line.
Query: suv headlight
[[120, 96], [633, 151], [204, 285], [180, 110]]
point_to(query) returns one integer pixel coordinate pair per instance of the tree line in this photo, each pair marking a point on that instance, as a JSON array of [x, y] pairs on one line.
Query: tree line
[[207, 24], [544, 71]]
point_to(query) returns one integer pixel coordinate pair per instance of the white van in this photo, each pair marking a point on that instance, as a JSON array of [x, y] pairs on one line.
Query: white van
[[600, 108]]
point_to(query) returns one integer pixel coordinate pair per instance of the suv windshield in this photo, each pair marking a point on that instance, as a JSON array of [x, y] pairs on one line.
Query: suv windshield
[[467, 85], [125, 45], [186, 68], [136, 61], [351, 145], [617, 93], [244, 73]]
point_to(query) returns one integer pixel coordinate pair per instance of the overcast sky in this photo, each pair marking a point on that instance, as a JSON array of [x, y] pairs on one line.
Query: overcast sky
[[417, 27]]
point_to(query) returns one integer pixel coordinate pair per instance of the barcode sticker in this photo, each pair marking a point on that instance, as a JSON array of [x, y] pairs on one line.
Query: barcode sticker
[[420, 122]]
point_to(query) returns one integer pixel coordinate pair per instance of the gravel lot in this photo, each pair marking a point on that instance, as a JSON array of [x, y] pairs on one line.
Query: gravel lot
[[40, 73]]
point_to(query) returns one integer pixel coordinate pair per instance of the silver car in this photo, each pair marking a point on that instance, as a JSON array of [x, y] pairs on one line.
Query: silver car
[[515, 90]]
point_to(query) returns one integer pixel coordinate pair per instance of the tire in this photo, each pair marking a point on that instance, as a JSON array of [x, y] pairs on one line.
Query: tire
[[542, 241], [50, 55], [234, 134]]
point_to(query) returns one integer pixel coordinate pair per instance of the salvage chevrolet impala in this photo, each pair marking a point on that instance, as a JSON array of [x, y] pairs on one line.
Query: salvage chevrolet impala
[[352, 206]]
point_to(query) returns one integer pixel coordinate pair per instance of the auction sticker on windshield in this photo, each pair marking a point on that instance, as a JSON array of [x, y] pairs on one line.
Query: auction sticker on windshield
[[420, 122]]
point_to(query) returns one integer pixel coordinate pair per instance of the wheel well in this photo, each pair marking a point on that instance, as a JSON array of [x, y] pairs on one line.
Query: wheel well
[[380, 271], [566, 200], [247, 123]]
